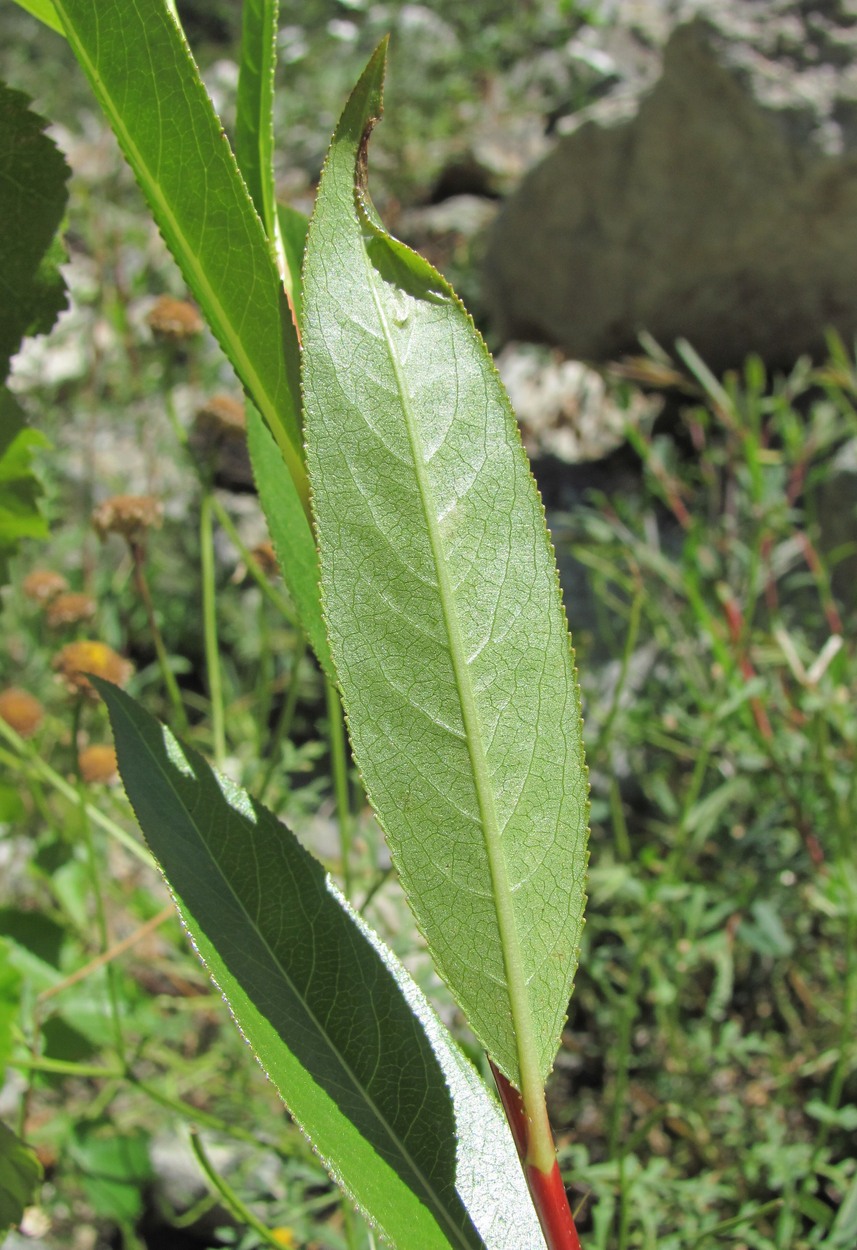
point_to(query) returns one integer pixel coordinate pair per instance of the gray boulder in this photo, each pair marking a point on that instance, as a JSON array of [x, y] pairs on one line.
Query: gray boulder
[[718, 204]]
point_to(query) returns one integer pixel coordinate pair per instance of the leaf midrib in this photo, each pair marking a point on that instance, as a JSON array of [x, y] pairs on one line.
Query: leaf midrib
[[212, 304], [439, 1204], [510, 942]]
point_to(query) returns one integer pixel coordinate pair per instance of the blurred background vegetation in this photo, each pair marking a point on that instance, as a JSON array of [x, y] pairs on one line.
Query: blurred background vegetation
[[706, 1094]]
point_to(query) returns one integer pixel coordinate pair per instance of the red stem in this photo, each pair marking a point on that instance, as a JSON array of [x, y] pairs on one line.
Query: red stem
[[546, 1188]]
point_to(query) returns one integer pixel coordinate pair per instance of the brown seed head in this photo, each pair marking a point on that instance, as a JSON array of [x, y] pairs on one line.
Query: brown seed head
[[70, 609], [43, 584], [263, 554], [221, 417], [97, 763], [22, 711], [173, 319], [129, 515], [76, 659]]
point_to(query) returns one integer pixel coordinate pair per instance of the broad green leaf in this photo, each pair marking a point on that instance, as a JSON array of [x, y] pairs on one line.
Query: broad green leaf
[[20, 1177], [445, 621], [254, 119], [146, 81], [33, 175], [291, 535], [399, 1117], [44, 11], [20, 489]]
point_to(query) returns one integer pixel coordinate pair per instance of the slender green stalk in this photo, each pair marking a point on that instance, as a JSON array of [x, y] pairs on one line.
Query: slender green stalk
[[339, 769], [205, 1119], [209, 626], [229, 1196], [726, 1226], [97, 892], [280, 602], [40, 768], [631, 636], [142, 585], [264, 677], [283, 727], [63, 1067]]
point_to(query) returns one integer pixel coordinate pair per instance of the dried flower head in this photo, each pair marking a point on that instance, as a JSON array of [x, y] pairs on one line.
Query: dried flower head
[[129, 515], [70, 608], [97, 763], [221, 417], [173, 319], [20, 710], [42, 585], [76, 659]]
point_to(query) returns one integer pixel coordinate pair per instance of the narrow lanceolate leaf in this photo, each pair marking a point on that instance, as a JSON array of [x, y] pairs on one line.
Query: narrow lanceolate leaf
[[297, 556], [445, 620], [293, 230], [44, 11], [147, 83], [254, 120], [397, 1114]]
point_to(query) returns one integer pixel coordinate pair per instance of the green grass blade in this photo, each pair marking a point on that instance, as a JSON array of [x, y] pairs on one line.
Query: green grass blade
[[446, 626], [289, 528], [399, 1117], [147, 83], [254, 118]]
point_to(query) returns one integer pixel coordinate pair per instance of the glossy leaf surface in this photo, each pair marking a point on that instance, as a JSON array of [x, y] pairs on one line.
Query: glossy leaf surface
[[136, 59], [399, 1117], [446, 626]]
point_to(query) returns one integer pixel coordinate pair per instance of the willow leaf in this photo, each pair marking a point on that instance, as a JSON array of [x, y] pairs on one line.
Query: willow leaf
[[44, 11], [146, 81], [446, 625], [254, 117], [289, 528], [397, 1114]]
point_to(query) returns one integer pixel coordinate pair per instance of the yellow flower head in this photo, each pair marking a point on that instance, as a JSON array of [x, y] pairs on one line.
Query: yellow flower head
[[22, 711], [97, 763], [76, 659]]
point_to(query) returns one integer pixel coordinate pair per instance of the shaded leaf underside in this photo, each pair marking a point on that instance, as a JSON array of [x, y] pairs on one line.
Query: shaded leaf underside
[[441, 596]]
